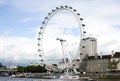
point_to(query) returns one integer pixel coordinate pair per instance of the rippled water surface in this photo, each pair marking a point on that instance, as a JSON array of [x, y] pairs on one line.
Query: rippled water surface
[[38, 79], [32, 79]]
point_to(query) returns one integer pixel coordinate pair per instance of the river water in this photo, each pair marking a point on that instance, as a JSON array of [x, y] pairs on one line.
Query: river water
[[38, 79]]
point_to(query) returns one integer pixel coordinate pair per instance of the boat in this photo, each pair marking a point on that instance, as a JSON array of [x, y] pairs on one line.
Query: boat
[[76, 77], [91, 79], [18, 76], [4, 74]]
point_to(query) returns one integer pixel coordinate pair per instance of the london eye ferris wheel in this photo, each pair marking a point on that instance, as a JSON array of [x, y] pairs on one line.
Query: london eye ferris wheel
[[62, 23]]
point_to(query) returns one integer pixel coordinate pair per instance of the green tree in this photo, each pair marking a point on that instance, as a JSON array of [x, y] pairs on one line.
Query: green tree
[[1, 65], [32, 69], [20, 68]]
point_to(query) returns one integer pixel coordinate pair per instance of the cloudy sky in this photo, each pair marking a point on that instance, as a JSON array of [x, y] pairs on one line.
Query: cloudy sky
[[20, 21]]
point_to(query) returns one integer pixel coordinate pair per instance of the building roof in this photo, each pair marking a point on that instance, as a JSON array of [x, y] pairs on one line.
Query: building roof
[[91, 57], [106, 56], [100, 57], [116, 55]]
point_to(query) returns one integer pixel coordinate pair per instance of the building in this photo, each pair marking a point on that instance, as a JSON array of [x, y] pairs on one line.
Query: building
[[62, 65], [88, 47], [115, 63], [101, 64], [98, 65]]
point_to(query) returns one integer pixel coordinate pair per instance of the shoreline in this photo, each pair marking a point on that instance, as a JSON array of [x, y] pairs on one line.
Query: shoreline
[[93, 76], [102, 76]]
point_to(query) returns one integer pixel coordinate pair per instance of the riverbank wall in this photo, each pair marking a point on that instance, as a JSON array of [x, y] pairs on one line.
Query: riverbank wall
[[104, 76]]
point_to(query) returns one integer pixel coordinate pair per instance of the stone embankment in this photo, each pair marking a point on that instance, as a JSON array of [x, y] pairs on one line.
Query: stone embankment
[[104, 76]]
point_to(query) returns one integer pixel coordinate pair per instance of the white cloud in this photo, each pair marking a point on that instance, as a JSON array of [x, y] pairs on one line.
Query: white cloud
[[18, 49], [25, 20]]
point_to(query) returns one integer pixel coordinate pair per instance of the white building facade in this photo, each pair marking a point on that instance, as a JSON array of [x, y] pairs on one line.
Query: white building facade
[[88, 47]]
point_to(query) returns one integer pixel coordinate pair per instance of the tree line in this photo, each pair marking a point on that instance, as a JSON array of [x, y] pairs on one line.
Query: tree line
[[32, 69]]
